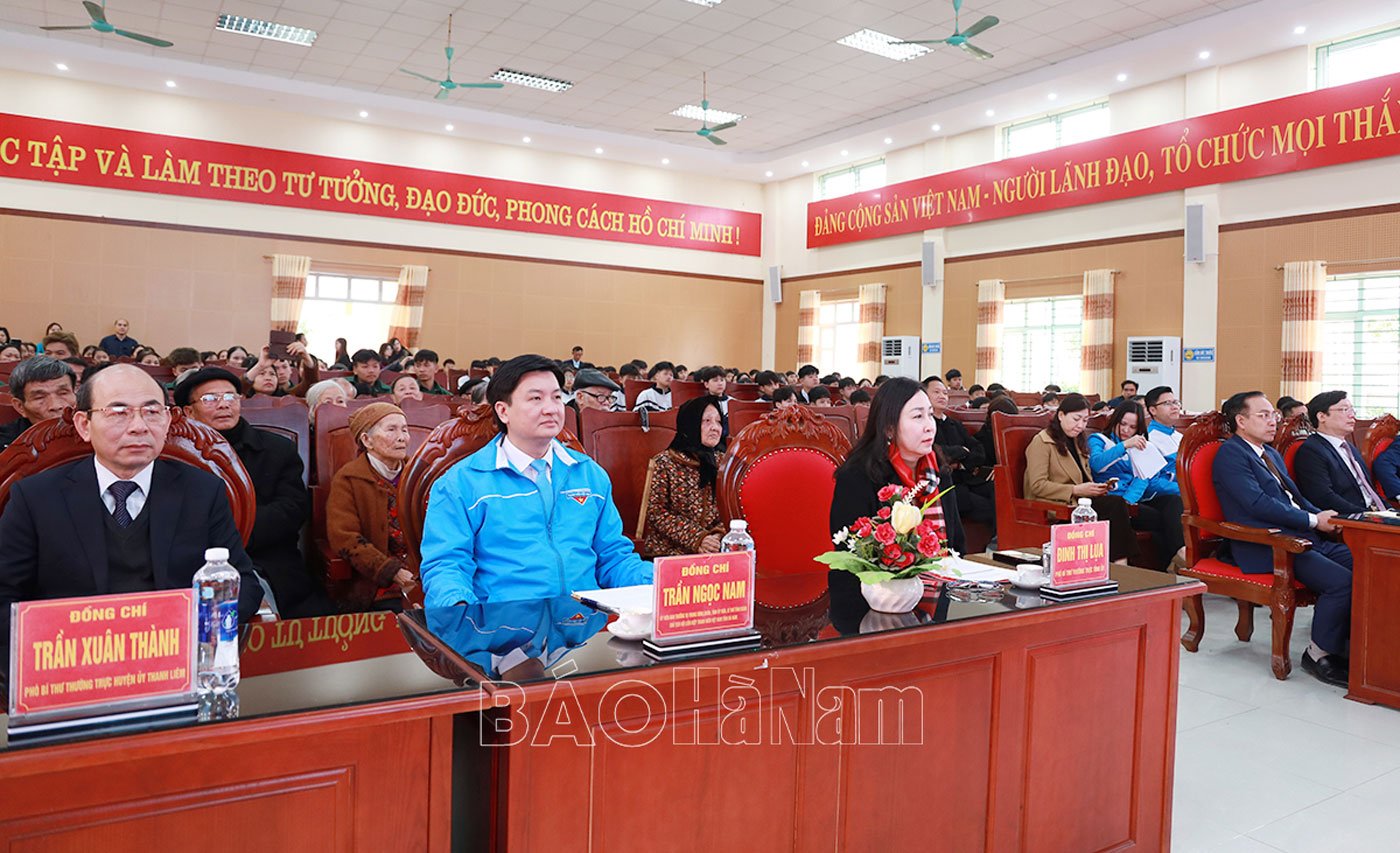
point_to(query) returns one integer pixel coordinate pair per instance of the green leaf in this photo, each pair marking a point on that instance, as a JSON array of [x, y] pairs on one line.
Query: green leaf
[[844, 561], [875, 577]]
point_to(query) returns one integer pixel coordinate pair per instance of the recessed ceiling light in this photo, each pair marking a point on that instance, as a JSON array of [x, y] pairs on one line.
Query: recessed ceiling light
[[266, 30], [844, 152], [447, 127], [991, 113], [60, 66], [713, 116], [170, 84], [1205, 54], [883, 45], [364, 113], [1052, 96], [1122, 77], [804, 164], [1299, 30], [525, 139], [889, 141], [533, 81], [706, 3], [936, 127], [665, 161], [768, 174], [597, 151]]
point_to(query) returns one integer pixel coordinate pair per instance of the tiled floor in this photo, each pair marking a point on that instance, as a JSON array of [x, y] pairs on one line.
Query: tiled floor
[[1266, 765]]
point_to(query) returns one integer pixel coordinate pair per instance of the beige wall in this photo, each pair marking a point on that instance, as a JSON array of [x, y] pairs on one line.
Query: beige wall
[[1250, 344], [903, 304], [212, 290]]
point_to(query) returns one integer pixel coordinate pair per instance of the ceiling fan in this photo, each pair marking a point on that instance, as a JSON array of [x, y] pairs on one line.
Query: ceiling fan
[[446, 86], [705, 131], [959, 38], [99, 23]]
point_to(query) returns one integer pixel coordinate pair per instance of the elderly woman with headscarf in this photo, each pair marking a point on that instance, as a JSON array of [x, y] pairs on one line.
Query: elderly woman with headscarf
[[362, 513], [680, 513]]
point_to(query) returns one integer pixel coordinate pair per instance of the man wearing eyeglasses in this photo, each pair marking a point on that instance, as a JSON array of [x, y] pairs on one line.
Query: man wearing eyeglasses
[[1163, 408], [210, 396], [594, 390], [120, 520], [1331, 471]]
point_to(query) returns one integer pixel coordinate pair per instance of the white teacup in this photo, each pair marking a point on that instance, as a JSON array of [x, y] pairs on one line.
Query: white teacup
[[634, 622], [1029, 573]]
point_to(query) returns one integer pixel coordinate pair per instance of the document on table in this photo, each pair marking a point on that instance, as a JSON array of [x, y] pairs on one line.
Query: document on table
[[619, 600], [1147, 461], [968, 570], [1167, 442]]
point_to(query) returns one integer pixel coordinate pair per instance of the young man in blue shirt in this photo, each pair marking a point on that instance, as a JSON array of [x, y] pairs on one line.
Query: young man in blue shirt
[[524, 517]]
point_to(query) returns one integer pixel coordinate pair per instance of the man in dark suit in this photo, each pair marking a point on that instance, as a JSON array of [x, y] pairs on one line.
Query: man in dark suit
[[1255, 490], [211, 396], [121, 520], [1331, 472], [1387, 470], [976, 500]]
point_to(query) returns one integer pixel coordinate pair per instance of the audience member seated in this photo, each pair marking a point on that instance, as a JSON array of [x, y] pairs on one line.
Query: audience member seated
[[715, 381], [362, 512], [1330, 469], [1163, 408], [211, 396], [1157, 497], [860, 396], [182, 360], [1128, 390], [847, 387], [593, 390], [425, 367], [808, 377], [985, 436], [79, 366], [767, 382], [1056, 471], [236, 359], [405, 387], [4, 335], [657, 398], [393, 359], [784, 396], [310, 370], [1386, 467], [524, 517], [1052, 388], [1049, 401], [40, 388], [327, 392], [61, 345], [681, 511], [147, 356], [1255, 490], [682, 373], [897, 448], [819, 396], [118, 344], [366, 369], [576, 362], [341, 361], [1289, 408], [976, 500], [976, 391], [954, 379], [90, 527], [10, 352]]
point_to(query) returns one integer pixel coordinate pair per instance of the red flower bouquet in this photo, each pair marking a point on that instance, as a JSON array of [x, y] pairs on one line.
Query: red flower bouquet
[[897, 542]]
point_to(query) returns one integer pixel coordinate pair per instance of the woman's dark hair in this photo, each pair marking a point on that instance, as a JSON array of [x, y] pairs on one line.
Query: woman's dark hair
[[1003, 404], [687, 440], [508, 376], [871, 453], [244, 350], [1069, 405], [6, 332], [860, 395], [342, 351], [1129, 406], [386, 356]]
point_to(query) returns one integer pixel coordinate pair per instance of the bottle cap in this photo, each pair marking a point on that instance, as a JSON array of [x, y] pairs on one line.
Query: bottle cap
[[738, 524], [1085, 502], [216, 555]]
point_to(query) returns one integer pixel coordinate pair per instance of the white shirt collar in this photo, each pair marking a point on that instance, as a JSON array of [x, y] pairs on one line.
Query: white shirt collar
[[106, 478], [1339, 443], [508, 454], [1257, 448], [383, 470]]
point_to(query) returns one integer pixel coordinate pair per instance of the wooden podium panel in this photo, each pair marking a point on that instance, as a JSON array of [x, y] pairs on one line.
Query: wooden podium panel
[[1375, 601]]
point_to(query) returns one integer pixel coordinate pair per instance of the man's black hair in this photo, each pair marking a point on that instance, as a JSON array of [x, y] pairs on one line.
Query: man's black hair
[[425, 355], [508, 376], [1235, 406], [629, 369], [807, 370], [783, 393], [39, 368], [767, 377], [995, 386], [974, 390], [1152, 396], [846, 382], [705, 374], [860, 395], [365, 356], [660, 366], [1322, 402], [819, 393], [1123, 386], [951, 375], [1052, 388]]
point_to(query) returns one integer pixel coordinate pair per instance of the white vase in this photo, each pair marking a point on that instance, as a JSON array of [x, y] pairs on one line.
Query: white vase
[[893, 596]]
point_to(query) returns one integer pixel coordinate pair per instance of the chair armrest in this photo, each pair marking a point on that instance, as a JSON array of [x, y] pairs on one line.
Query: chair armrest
[[337, 569], [1257, 535], [1044, 511]]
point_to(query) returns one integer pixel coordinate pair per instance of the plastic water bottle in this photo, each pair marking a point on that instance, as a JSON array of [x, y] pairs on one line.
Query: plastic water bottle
[[738, 538], [1083, 513], [216, 591]]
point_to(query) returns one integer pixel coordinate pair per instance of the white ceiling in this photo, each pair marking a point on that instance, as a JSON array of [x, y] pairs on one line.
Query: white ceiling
[[633, 61]]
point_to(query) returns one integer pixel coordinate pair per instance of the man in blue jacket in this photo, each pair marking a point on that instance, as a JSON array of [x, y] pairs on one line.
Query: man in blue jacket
[[1255, 490], [524, 517]]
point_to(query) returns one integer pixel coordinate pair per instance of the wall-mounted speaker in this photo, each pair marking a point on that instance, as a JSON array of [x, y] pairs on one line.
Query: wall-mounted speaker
[[775, 284], [1195, 233], [930, 271]]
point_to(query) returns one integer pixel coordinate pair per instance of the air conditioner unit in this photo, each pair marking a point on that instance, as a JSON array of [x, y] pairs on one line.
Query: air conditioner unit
[[1154, 361], [899, 356]]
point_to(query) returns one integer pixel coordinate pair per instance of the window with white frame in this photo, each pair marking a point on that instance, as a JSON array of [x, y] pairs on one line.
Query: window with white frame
[[1361, 340], [838, 337], [1359, 58], [1040, 343], [853, 179], [1063, 128], [357, 308]]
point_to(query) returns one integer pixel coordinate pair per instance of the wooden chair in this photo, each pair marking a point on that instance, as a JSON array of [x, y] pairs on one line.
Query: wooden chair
[[55, 441], [1205, 526], [742, 413], [623, 443], [682, 392], [448, 443], [844, 416], [1376, 441], [1021, 522], [1025, 398], [267, 401], [1360, 430], [958, 399], [779, 476], [8, 414], [862, 415], [746, 391], [632, 388], [6, 367], [973, 420], [1290, 437], [288, 421]]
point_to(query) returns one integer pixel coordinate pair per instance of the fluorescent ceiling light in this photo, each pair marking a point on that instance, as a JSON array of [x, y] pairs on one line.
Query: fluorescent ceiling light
[[448, 128], [1205, 54], [665, 161], [706, 3], [597, 151], [525, 139], [364, 113], [60, 66], [768, 174], [266, 30], [534, 81], [936, 127], [1299, 30], [170, 84], [883, 45], [1122, 77], [691, 111]]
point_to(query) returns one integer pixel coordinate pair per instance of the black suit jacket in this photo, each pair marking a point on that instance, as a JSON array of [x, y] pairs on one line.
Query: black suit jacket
[[959, 447], [54, 543], [13, 430], [1325, 480]]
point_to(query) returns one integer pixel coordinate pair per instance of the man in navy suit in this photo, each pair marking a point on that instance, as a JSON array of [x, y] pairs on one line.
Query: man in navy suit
[[1387, 470], [1331, 472], [121, 520], [1255, 490]]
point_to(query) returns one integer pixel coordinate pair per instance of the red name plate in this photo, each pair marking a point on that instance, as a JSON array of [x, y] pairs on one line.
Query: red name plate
[[289, 644], [703, 595], [1080, 554], [71, 654]]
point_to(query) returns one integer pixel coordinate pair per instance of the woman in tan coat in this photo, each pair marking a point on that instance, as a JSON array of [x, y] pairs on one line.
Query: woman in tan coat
[[680, 511], [362, 515], [1057, 470]]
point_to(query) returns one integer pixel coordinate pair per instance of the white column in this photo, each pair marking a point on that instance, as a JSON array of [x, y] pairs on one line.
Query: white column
[[772, 219], [931, 324], [1200, 294]]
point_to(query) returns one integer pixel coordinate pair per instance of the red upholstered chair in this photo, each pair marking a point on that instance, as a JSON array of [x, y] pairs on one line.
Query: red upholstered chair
[[742, 391], [1025, 398], [1376, 441], [53, 442], [7, 410], [682, 392], [958, 399], [1021, 522], [287, 420], [1361, 430], [1289, 438], [623, 443], [742, 413], [1205, 526], [267, 401], [862, 415], [972, 419], [779, 476], [843, 416], [632, 388], [5, 368]]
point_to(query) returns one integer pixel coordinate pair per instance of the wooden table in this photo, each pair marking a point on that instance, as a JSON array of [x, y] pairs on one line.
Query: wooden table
[[1375, 603]]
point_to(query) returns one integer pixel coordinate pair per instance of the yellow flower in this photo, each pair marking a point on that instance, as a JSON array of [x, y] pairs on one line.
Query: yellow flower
[[904, 517]]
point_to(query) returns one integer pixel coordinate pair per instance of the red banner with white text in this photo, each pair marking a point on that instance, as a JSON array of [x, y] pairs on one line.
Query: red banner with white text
[[64, 152], [1343, 124]]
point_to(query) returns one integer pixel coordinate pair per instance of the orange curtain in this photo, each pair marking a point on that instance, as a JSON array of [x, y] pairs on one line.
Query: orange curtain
[[991, 308], [872, 328], [1303, 301], [808, 316], [1096, 341], [289, 274], [407, 319]]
